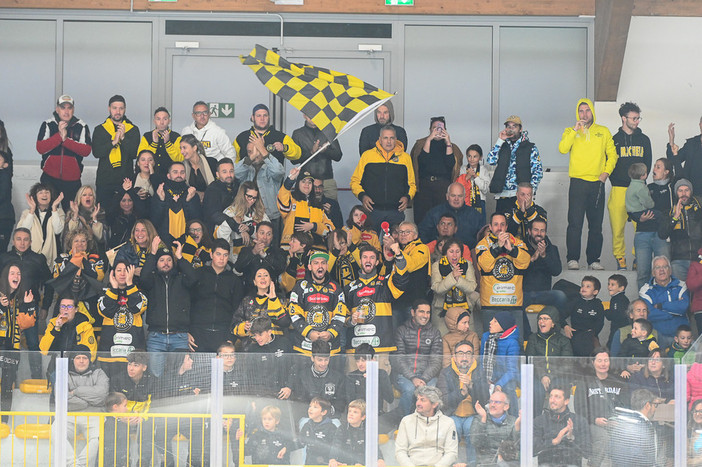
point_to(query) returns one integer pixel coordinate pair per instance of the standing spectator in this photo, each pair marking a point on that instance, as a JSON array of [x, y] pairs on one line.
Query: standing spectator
[[592, 158], [219, 194], [199, 169], [138, 245], [213, 137], [86, 214], [310, 139], [467, 219], [270, 354], [5, 145], [419, 354], [69, 331], [162, 142], [197, 248], [262, 253], [115, 144], [476, 179], [359, 227], [276, 143], [384, 116], [63, 142], [632, 146], [45, 220], [517, 161], [175, 203], [356, 379], [684, 228], [632, 435], [462, 385], [586, 315], [560, 436], [618, 305], [647, 243], [493, 427], [216, 295], [145, 179], [296, 260], [241, 218], [300, 210], [427, 436], [667, 298], [125, 208], [452, 281], [690, 154], [319, 379], [436, 163], [329, 205], [7, 211], [523, 212], [500, 349], [384, 180]]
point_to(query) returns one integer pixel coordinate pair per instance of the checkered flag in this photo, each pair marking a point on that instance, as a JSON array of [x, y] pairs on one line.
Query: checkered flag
[[334, 101]]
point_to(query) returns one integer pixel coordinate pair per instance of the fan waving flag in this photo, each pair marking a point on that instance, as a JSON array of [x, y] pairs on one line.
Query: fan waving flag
[[334, 101]]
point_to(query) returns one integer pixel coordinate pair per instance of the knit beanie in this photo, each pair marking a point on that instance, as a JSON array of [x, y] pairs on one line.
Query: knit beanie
[[258, 107], [462, 315], [683, 182], [505, 319]]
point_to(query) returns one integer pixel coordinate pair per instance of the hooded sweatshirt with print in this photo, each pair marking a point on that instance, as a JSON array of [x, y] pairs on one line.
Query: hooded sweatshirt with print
[[591, 150]]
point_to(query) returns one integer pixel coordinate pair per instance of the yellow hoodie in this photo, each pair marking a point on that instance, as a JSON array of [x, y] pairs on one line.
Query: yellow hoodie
[[591, 150]]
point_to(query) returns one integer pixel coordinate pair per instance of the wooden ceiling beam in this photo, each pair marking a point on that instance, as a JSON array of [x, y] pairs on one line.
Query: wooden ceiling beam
[[612, 20]]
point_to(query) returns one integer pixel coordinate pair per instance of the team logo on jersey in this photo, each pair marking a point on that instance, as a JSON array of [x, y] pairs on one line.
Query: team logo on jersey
[[503, 270], [318, 317], [123, 320], [367, 309], [329, 389]]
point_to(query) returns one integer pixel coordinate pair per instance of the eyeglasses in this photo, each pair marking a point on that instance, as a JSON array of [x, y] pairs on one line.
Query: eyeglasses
[[697, 412], [251, 197], [405, 232], [636, 119], [656, 268], [227, 355], [464, 354], [195, 229], [201, 113], [494, 402], [67, 307]]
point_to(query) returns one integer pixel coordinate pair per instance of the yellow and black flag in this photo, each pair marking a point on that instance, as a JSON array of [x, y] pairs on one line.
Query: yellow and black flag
[[331, 99]]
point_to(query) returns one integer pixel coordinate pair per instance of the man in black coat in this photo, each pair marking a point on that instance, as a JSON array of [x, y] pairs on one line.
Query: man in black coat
[[220, 194]]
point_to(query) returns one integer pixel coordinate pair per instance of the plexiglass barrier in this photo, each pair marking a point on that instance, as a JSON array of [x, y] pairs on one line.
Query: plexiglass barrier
[[244, 408]]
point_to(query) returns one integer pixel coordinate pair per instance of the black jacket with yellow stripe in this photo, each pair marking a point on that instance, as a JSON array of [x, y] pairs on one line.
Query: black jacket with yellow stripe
[[374, 297], [73, 335], [317, 307], [256, 306], [122, 326]]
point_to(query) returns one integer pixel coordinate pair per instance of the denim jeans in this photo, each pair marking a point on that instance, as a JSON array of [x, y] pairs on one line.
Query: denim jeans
[[407, 388], [157, 343], [463, 425], [680, 267], [648, 245]]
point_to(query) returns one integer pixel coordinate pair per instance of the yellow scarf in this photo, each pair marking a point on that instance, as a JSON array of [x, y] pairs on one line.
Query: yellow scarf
[[116, 153], [465, 407]]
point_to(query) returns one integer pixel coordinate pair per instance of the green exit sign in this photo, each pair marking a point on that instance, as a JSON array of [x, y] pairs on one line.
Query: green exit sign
[[399, 2]]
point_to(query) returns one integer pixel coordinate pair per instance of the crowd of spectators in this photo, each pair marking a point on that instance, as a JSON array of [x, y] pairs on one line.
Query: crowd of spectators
[[190, 244]]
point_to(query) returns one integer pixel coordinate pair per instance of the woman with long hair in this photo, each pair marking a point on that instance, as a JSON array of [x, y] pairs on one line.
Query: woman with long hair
[[18, 312], [694, 434], [145, 179], [655, 377], [300, 211], [360, 228], [138, 246], [86, 213], [452, 280], [125, 208], [199, 169], [44, 218], [245, 213], [197, 248]]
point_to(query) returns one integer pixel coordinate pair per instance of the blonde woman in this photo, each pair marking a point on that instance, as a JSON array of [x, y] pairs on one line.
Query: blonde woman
[[86, 213], [245, 213]]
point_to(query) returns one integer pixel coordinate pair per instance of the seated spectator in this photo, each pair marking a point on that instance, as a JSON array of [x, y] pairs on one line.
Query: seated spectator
[[45, 219], [269, 444], [682, 226], [215, 296], [637, 309], [86, 214], [462, 385], [317, 431], [174, 204], [655, 377], [694, 434], [632, 436], [199, 169], [475, 179], [117, 431], [197, 248], [297, 260], [547, 345], [427, 436], [500, 350], [166, 282], [452, 281], [122, 213], [122, 307], [468, 219], [68, 331], [667, 298], [80, 272], [360, 228], [262, 253], [596, 396], [343, 258], [640, 342], [319, 380], [329, 205], [138, 245], [419, 354], [618, 305], [356, 379], [524, 212], [560, 436], [586, 318], [220, 194], [681, 343], [270, 354], [457, 321], [237, 380], [242, 217], [87, 390], [264, 302], [300, 211], [446, 228], [492, 427], [349, 444]]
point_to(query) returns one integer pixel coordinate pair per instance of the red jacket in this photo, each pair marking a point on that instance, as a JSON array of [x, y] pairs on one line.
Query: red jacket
[[62, 159], [694, 283]]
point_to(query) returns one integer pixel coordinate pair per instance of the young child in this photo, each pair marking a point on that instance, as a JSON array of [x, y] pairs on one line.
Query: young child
[[586, 318], [316, 435], [349, 446], [360, 229], [618, 305], [476, 179], [637, 198], [499, 348], [641, 341], [356, 379], [457, 321], [681, 343], [117, 431], [268, 444]]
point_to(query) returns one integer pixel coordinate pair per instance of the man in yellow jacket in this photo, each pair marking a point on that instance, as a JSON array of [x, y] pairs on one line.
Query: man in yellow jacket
[[592, 158]]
